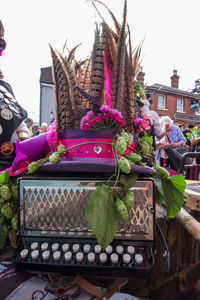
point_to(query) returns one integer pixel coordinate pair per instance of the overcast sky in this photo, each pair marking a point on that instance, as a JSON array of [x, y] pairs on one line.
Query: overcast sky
[[170, 29]]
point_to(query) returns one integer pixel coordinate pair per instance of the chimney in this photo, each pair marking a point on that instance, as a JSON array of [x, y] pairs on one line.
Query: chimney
[[140, 77], [174, 79]]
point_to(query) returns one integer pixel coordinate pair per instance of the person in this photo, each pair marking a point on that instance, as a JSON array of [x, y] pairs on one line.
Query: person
[[154, 120], [12, 115], [156, 130], [35, 130], [44, 127], [29, 123], [173, 138], [195, 143], [185, 131]]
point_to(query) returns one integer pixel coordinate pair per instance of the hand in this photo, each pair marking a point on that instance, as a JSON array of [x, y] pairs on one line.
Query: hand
[[172, 145], [162, 145]]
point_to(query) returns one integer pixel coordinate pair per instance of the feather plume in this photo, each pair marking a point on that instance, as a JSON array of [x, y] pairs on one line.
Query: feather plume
[[116, 23], [71, 55], [84, 83], [65, 113], [97, 68], [135, 61], [128, 111], [119, 67], [73, 94]]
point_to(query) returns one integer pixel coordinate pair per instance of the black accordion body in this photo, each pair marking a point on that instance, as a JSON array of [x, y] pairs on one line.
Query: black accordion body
[[55, 236]]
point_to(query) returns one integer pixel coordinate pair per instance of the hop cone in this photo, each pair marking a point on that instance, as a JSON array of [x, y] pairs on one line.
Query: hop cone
[[128, 137], [121, 145], [61, 148], [5, 192], [54, 158], [124, 165], [32, 168]]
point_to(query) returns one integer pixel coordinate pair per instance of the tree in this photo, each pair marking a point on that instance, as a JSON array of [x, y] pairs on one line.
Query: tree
[[197, 86]]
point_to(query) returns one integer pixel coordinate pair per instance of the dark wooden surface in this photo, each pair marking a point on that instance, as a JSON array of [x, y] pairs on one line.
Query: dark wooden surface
[[183, 280]]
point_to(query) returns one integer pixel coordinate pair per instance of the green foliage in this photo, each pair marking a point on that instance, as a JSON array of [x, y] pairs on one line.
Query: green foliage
[[61, 149], [5, 192], [128, 181], [138, 91], [14, 190], [127, 137], [129, 200], [101, 215], [121, 145], [54, 158], [8, 208], [195, 132], [145, 144], [171, 191], [121, 209], [134, 158], [161, 173], [32, 167], [14, 222], [124, 165], [4, 177]]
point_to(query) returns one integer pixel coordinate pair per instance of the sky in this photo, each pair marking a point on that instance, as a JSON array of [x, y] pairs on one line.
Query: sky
[[170, 30]]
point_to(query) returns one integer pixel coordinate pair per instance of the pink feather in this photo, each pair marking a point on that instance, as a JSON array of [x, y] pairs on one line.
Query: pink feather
[[107, 81]]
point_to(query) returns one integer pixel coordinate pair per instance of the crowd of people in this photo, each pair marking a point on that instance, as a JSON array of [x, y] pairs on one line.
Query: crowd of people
[[35, 129], [168, 135]]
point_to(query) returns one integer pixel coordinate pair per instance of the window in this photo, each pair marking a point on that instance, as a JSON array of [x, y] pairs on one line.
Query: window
[[179, 105], [197, 112], [161, 101]]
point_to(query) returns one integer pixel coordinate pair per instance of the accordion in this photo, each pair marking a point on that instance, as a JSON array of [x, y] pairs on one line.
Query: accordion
[[55, 236]]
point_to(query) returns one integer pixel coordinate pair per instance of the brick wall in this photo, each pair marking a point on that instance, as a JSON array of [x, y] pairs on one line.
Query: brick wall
[[171, 107]]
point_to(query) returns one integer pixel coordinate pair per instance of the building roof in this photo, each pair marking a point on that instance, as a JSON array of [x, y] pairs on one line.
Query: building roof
[[46, 75], [164, 88]]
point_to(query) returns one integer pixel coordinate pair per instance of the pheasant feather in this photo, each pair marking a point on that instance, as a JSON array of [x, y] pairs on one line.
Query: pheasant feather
[[97, 68], [119, 67], [63, 105], [116, 23]]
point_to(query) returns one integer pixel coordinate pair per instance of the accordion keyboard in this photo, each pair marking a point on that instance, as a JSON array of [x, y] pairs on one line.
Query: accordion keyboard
[[51, 255]]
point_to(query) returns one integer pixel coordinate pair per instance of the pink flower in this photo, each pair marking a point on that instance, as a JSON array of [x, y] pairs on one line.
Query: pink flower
[[105, 116], [138, 121], [89, 114], [98, 118], [145, 125], [104, 108]]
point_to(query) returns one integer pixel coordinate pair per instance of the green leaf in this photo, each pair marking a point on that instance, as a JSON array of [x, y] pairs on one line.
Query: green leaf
[[128, 181], [101, 215], [179, 182], [4, 177], [173, 191], [159, 191]]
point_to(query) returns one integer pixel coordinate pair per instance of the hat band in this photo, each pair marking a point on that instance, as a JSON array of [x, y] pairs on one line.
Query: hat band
[[91, 148]]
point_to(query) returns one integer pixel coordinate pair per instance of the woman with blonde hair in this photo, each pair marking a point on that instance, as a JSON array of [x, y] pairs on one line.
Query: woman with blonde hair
[[173, 138]]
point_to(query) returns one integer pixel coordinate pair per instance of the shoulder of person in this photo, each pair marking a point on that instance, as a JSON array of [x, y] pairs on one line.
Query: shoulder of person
[[175, 127], [7, 86], [22, 127]]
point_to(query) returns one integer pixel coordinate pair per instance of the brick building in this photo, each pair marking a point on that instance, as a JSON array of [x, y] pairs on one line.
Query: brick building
[[181, 106]]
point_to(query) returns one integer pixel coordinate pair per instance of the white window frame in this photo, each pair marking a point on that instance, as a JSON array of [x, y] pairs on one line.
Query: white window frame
[[164, 102], [179, 108]]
